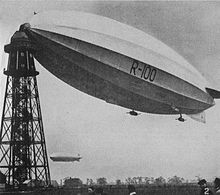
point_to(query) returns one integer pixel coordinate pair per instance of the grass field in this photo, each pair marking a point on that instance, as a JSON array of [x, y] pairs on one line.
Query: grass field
[[141, 190], [119, 190]]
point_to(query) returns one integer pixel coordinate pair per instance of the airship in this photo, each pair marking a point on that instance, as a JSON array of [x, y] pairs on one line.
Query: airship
[[64, 158], [119, 64]]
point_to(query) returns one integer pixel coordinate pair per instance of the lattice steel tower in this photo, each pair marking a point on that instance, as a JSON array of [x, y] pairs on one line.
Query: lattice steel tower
[[23, 154]]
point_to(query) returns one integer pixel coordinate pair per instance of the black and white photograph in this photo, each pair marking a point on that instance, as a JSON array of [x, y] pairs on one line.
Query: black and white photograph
[[109, 97]]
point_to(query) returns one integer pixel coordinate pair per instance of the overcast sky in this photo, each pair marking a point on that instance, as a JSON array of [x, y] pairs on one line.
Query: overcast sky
[[112, 143]]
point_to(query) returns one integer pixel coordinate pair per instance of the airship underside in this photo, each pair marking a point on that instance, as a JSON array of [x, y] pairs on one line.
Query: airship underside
[[119, 71]]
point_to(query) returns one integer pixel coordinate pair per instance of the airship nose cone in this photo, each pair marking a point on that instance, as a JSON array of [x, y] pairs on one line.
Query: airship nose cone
[[24, 27]]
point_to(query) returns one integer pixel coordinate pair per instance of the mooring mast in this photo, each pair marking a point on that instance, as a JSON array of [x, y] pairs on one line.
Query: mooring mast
[[23, 154]]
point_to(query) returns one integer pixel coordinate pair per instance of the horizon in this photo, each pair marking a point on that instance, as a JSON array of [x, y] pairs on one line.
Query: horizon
[[136, 180]]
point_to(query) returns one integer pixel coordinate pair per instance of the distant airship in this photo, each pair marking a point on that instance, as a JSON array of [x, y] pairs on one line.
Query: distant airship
[[65, 158], [119, 64]]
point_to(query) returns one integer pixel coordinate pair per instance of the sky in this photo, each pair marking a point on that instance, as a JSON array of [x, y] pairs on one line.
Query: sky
[[112, 143]]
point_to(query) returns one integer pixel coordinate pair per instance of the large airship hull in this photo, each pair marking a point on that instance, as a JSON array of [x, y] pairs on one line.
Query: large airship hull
[[118, 70]]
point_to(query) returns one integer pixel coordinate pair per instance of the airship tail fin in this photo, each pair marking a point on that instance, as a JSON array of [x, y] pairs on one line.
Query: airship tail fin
[[214, 93], [200, 117]]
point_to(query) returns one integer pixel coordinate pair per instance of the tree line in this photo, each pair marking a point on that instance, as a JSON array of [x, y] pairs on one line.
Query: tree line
[[175, 180]]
